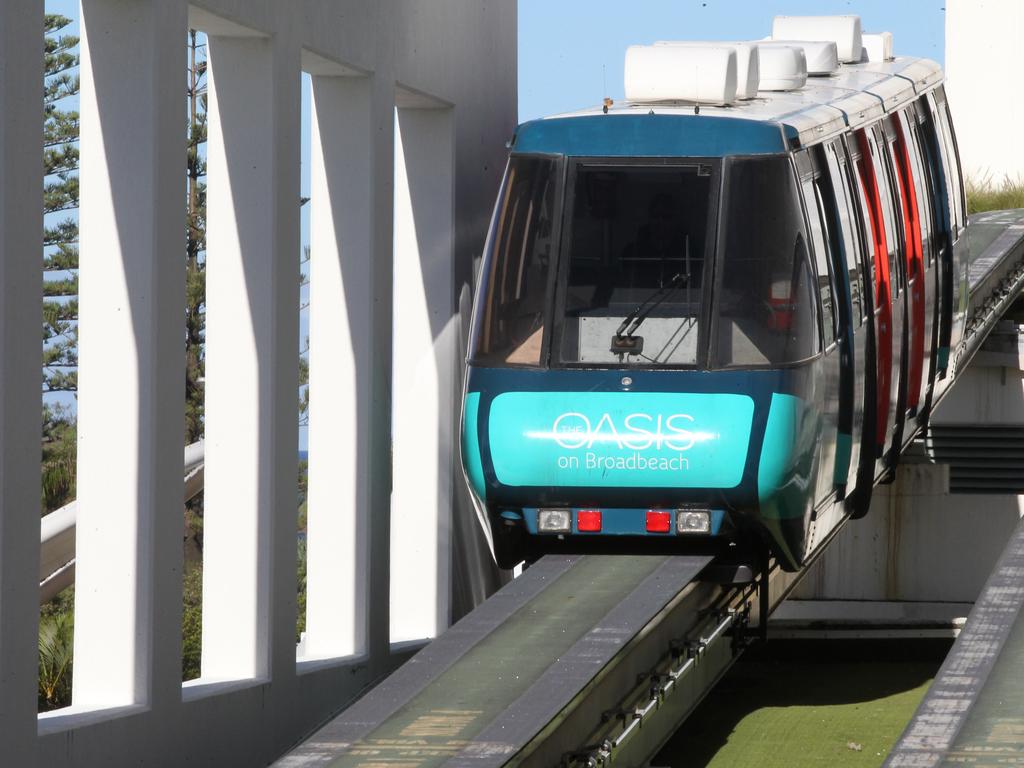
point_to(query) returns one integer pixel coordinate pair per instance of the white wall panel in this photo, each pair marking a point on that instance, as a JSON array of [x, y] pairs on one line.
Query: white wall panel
[[983, 70]]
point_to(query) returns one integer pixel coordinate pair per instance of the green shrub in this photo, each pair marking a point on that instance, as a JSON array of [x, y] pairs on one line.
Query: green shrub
[[56, 651], [300, 607], [986, 195], [192, 622]]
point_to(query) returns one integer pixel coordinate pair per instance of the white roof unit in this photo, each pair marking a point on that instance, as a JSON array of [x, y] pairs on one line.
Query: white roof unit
[[699, 74], [844, 31], [822, 56], [747, 60], [877, 47], [783, 67]]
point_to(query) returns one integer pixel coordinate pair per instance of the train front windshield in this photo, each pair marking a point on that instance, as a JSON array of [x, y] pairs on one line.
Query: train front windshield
[[668, 263]]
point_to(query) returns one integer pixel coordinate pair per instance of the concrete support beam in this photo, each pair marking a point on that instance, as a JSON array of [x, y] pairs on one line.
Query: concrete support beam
[[130, 397], [378, 445], [425, 339], [21, 226], [340, 338], [251, 359]]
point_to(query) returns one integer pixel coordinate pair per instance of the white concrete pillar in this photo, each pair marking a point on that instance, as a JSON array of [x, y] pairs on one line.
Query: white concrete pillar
[[340, 338], [21, 226], [425, 339], [252, 290], [983, 62], [131, 357]]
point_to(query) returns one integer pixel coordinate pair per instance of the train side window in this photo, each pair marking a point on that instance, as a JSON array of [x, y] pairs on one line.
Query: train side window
[[923, 183], [873, 208], [859, 204], [935, 163], [887, 189], [509, 329], [841, 186], [952, 152], [820, 243], [764, 310]]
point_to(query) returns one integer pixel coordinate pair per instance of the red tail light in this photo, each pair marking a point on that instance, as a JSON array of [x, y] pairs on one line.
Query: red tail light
[[658, 521], [588, 521]]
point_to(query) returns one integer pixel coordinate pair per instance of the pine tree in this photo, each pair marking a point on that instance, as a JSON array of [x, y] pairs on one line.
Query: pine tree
[[60, 333], [60, 199], [195, 254], [195, 279]]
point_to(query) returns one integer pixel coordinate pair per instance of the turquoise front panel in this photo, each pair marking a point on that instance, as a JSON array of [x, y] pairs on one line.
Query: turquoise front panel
[[620, 439], [785, 472], [471, 445]]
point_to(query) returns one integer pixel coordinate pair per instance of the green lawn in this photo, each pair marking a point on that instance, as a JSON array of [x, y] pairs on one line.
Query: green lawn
[[808, 704]]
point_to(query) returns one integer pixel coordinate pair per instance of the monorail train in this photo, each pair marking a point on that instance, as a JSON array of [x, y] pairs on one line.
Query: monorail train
[[719, 311]]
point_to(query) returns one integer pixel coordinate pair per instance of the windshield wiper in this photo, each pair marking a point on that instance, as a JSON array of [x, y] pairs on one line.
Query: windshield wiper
[[623, 341]]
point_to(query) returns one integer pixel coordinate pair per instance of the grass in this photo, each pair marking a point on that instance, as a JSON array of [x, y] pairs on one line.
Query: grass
[[986, 195], [797, 704]]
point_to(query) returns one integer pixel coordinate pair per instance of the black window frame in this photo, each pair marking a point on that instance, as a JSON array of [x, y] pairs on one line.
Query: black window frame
[[853, 246], [818, 207], [860, 203], [956, 175], [489, 255], [714, 364], [890, 195]]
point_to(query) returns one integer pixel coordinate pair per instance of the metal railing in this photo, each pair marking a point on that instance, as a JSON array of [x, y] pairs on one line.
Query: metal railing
[[57, 531]]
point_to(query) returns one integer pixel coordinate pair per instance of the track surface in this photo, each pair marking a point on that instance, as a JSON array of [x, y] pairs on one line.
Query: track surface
[[481, 692]]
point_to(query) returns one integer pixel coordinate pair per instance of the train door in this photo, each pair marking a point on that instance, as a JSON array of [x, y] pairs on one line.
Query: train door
[[957, 211], [844, 236], [913, 261], [924, 186], [867, 320], [932, 160], [888, 327], [882, 135], [828, 375]]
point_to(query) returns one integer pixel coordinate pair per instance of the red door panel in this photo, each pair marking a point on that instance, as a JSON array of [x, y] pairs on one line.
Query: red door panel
[[915, 266], [883, 299]]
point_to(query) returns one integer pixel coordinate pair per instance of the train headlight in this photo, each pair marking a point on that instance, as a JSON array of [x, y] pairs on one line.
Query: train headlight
[[693, 521], [554, 521]]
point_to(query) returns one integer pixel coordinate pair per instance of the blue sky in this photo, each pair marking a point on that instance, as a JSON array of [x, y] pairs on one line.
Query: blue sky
[[568, 49]]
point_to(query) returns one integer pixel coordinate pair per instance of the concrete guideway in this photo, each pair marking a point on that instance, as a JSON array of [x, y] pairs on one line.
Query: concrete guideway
[[514, 668], [995, 276], [974, 711], [581, 660]]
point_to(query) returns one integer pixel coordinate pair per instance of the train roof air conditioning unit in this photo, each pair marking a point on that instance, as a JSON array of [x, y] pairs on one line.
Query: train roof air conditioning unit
[[877, 47], [702, 74], [844, 31], [821, 55], [748, 73], [783, 67]]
